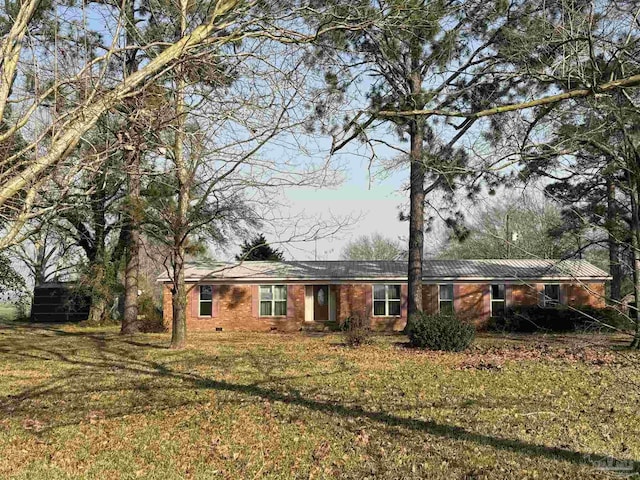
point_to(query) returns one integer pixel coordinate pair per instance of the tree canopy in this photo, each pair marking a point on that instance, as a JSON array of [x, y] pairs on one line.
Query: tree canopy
[[523, 228], [373, 247], [11, 281]]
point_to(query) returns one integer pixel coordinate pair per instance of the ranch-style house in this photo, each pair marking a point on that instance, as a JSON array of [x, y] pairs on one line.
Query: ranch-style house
[[295, 295]]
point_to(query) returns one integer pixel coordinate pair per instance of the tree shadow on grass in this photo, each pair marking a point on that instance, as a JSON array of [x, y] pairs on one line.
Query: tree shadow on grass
[[112, 356]]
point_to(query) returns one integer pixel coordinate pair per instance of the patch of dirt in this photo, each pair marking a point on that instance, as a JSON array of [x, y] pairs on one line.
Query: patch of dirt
[[492, 356]]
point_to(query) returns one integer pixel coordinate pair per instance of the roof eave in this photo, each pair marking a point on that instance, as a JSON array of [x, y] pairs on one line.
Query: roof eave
[[386, 279]]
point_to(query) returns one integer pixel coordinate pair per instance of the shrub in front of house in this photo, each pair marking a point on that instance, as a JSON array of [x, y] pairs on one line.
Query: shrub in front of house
[[356, 330], [440, 332], [150, 315], [528, 319], [607, 319]]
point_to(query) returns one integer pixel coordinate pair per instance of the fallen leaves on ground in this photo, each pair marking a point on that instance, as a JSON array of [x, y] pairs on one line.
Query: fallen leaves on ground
[[89, 403]]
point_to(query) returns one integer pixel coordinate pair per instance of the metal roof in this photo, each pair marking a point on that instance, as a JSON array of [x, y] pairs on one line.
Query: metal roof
[[434, 270]]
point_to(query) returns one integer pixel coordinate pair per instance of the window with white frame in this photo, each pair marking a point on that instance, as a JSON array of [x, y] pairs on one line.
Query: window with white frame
[[273, 300], [386, 300], [205, 308], [551, 294], [498, 300], [445, 298]]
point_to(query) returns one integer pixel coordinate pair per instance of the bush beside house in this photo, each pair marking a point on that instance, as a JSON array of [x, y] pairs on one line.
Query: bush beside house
[[357, 330], [440, 332], [150, 314]]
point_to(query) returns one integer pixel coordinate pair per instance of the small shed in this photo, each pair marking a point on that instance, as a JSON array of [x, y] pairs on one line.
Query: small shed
[[58, 302]]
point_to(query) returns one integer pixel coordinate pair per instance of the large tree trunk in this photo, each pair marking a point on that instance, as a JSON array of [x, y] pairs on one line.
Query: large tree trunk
[[101, 293], [130, 322], [180, 238], [101, 285], [179, 295], [416, 202], [39, 273], [634, 313], [179, 308], [614, 242], [416, 221], [98, 310]]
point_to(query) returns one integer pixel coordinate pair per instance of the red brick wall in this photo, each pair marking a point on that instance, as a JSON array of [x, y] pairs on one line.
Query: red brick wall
[[591, 294], [472, 302], [234, 309], [235, 312], [523, 294], [430, 298], [356, 299], [351, 299]]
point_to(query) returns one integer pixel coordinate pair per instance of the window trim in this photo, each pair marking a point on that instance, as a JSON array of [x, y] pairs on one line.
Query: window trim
[[200, 301], [452, 299], [273, 300], [386, 299], [551, 303], [491, 299]]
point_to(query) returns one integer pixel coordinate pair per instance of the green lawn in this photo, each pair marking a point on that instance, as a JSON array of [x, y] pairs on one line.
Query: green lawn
[[87, 403]]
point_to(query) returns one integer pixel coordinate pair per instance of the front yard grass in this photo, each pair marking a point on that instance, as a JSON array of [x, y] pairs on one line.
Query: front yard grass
[[87, 403]]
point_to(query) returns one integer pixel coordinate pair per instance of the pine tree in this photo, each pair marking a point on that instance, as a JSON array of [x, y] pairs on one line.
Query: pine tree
[[433, 56], [258, 249]]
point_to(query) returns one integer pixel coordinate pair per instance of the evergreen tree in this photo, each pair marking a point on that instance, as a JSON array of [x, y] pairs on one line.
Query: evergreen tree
[[258, 249]]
